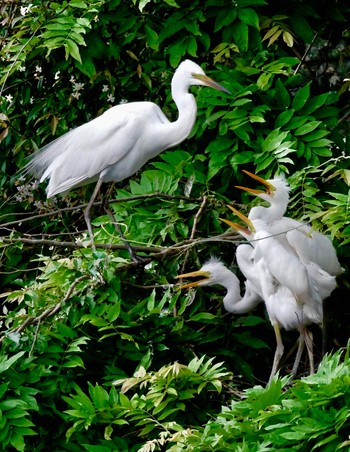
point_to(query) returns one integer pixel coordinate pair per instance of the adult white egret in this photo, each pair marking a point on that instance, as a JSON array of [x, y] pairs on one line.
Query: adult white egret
[[115, 145], [292, 291], [214, 272], [309, 245]]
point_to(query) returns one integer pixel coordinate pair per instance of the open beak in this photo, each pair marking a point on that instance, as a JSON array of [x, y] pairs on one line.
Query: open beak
[[236, 226], [244, 218], [211, 83], [196, 274], [269, 187]]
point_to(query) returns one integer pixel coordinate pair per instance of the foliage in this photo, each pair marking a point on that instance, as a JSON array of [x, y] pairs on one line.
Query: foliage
[[99, 354], [311, 415]]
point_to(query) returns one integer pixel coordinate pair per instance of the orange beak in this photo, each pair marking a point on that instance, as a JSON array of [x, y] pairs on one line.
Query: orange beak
[[195, 274], [269, 187]]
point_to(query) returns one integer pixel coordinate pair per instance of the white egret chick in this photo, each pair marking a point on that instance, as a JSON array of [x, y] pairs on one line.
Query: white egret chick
[[309, 245], [115, 145], [214, 272]]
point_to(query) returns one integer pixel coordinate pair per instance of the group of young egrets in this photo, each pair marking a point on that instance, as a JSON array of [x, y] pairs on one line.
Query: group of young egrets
[[286, 265]]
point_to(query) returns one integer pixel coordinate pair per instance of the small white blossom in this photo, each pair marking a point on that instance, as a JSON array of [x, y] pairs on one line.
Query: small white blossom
[[96, 19], [76, 94], [78, 86], [31, 100], [9, 98], [22, 68], [105, 88], [25, 9], [123, 101], [72, 79], [38, 69], [110, 98], [57, 75]]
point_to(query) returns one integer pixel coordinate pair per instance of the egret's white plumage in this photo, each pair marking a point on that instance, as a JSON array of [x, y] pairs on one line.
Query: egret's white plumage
[[118, 143], [293, 286], [307, 244], [215, 272]]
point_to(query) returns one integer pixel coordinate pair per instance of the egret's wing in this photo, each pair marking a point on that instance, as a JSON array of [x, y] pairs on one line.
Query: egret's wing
[[284, 266], [316, 248], [79, 156]]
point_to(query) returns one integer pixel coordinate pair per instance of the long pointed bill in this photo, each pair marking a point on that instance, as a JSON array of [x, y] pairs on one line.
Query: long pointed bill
[[269, 187], [211, 83], [196, 274], [237, 227], [243, 218]]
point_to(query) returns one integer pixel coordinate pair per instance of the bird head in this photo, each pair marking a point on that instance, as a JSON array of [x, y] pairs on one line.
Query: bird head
[[209, 273], [275, 189], [245, 231], [196, 76]]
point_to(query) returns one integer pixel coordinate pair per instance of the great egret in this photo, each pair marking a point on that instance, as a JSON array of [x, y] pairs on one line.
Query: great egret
[[292, 290], [115, 145], [309, 245], [214, 272]]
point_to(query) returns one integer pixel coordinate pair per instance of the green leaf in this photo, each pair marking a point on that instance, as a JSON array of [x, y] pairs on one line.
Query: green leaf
[[7, 363], [249, 17], [73, 50], [240, 32], [301, 97], [283, 118], [273, 140], [307, 128]]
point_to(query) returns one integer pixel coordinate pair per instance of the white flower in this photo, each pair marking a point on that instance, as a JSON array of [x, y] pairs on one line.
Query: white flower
[[96, 19], [9, 98], [31, 100], [110, 98], [105, 88], [78, 86], [22, 68], [72, 79], [57, 75], [75, 94], [25, 9], [123, 101], [38, 69]]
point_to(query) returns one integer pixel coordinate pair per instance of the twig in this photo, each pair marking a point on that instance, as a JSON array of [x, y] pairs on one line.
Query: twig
[[99, 203], [48, 312], [309, 47], [194, 229]]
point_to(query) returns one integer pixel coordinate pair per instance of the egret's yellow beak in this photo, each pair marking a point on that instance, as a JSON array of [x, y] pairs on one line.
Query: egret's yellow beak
[[199, 273], [244, 218], [269, 187], [207, 81]]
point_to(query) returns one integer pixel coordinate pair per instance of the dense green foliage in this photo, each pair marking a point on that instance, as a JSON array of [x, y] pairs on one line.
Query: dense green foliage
[[99, 354]]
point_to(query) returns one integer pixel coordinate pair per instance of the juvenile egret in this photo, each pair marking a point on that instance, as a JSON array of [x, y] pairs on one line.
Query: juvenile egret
[[115, 145], [214, 272], [309, 245], [292, 291]]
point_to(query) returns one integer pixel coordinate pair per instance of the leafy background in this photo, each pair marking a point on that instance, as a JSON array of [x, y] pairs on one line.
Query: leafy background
[[98, 354]]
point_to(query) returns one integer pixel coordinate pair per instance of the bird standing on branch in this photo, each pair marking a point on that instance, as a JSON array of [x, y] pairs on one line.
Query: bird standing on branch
[[115, 145]]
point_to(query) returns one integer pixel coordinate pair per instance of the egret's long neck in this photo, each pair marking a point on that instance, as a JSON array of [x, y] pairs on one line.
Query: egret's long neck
[[178, 130], [233, 296]]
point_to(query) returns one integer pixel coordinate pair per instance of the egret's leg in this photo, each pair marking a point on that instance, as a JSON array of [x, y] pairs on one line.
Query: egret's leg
[[300, 350], [279, 351], [87, 212], [310, 351], [109, 212]]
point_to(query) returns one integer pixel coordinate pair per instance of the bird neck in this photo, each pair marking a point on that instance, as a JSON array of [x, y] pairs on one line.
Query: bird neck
[[179, 130], [231, 283]]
